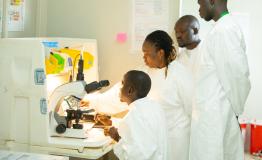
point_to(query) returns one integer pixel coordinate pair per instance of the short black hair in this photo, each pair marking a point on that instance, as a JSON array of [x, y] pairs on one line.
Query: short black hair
[[190, 19], [139, 81]]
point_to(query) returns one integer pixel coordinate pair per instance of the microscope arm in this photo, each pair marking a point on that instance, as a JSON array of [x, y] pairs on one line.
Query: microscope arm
[[76, 88]]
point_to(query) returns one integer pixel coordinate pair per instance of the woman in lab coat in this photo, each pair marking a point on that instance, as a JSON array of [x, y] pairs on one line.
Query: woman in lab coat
[[171, 87]]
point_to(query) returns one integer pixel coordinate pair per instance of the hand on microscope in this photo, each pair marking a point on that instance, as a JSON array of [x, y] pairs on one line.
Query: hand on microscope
[[84, 103]]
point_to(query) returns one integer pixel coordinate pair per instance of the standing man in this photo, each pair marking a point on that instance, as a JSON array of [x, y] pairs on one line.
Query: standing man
[[187, 29], [222, 87]]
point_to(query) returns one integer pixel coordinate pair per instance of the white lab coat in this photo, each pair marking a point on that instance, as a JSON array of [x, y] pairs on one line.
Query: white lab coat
[[142, 132], [107, 102], [188, 57], [174, 93], [222, 87]]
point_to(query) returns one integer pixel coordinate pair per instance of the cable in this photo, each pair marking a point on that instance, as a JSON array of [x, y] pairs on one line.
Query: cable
[[74, 66]]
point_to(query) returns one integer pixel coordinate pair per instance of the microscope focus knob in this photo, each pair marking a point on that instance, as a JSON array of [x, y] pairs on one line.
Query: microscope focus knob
[[61, 128], [78, 126]]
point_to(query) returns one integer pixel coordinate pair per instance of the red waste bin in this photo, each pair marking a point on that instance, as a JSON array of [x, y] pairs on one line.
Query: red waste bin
[[256, 137], [245, 129]]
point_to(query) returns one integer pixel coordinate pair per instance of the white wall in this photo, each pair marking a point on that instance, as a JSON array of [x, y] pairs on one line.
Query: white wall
[[30, 21], [101, 20], [253, 9]]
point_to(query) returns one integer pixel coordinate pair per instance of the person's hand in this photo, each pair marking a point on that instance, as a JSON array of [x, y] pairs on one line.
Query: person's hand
[[105, 120], [106, 131], [113, 133], [84, 103]]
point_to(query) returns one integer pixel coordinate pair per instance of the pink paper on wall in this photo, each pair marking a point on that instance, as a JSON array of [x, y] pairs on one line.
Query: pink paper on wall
[[121, 37]]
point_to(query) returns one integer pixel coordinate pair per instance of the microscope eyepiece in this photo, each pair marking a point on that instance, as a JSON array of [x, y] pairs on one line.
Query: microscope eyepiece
[[94, 86]]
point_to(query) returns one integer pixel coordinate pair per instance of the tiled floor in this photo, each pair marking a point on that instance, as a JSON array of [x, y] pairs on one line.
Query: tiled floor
[[111, 157], [108, 156], [249, 157]]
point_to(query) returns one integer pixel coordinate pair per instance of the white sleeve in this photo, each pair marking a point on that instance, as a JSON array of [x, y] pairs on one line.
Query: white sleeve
[[179, 89], [137, 141], [185, 88], [227, 50], [107, 102]]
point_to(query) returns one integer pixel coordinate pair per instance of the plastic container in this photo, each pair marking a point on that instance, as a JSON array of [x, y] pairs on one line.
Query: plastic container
[[256, 137], [245, 130]]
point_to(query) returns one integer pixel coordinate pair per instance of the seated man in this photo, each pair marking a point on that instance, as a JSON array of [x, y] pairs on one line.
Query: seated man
[[141, 135]]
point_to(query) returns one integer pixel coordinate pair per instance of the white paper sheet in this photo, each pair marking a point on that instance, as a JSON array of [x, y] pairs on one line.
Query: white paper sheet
[[148, 15]]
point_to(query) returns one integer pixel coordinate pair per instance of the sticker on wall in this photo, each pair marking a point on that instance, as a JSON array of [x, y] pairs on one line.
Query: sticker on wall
[[43, 106], [39, 76], [121, 37], [15, 15]]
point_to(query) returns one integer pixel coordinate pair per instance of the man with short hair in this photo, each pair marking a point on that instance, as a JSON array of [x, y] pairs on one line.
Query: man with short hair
[[222, 87], [142, 134], [187, 35]]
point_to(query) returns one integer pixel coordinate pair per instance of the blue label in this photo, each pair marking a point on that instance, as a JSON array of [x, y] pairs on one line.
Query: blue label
[[43, 106], [50, 44], [39, 76]]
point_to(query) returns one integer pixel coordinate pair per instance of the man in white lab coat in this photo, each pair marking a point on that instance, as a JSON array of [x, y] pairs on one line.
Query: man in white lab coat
[[222, 87], [187, 29], [141, 135]]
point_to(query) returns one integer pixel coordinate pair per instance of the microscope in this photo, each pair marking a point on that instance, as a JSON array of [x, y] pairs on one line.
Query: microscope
[[69, 125], [70, 93], [73, 118]]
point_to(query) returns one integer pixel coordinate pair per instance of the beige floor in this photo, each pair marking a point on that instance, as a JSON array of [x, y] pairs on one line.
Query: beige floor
[[249, 157], [109, 156]]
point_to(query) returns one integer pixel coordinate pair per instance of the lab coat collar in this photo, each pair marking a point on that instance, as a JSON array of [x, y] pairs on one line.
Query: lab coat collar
[[137, 102], [222, 19]]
